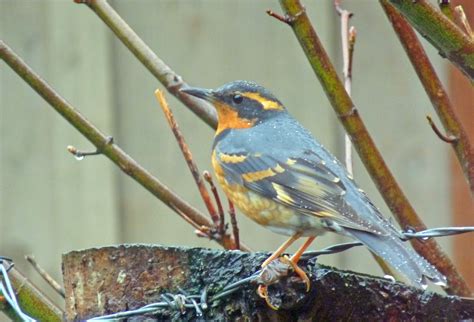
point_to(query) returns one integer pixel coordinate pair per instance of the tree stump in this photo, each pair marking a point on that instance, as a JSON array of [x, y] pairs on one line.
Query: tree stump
[[107, 280]]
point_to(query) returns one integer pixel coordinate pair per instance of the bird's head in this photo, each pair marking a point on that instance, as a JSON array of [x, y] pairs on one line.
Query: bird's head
[[239, 104]]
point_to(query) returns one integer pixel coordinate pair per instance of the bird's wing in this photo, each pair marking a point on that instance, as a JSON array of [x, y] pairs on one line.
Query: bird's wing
[[303, 183]]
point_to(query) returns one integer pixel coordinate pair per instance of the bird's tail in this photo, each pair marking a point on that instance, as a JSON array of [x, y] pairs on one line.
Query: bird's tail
[[401, 257]]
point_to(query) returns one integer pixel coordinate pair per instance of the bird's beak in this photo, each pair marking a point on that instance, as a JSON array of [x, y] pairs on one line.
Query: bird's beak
[[203, 93]]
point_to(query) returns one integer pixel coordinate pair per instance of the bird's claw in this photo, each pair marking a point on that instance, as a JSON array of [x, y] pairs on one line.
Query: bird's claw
[[262, 291], [298, 271], [273, 271]]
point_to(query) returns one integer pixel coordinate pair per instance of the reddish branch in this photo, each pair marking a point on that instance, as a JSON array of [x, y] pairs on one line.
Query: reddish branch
[[368, 152], [217, 199], [435, 91], [233, 222]]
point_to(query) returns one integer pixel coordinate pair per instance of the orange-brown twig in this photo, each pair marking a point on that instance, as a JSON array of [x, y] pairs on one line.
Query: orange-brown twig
[[217, 199], [188, 157], [235, 227]]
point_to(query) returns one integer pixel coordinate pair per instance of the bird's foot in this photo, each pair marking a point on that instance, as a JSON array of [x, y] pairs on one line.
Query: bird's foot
[[273, 271]]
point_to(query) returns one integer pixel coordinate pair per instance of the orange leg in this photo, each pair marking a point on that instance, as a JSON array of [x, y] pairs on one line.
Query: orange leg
[[282, 248], [262, 289], [293, 261], [296, 257]]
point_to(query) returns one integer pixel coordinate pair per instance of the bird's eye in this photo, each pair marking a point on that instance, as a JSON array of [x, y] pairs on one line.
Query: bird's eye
[[237, 98]]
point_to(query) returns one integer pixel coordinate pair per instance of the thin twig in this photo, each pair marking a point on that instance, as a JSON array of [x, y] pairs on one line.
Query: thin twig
[[446, 138], [347, 55], [79, 155], [163, 73], [365, 146], [55, 285], [187, 156], [277, 16], [207, 176], [462, 21], [235, 227], [101, 142]]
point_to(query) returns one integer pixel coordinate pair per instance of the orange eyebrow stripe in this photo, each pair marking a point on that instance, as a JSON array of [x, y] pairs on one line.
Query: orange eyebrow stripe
[[266, 103]]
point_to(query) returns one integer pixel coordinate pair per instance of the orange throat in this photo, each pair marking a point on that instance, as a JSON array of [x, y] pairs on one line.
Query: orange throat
[[229, 119]]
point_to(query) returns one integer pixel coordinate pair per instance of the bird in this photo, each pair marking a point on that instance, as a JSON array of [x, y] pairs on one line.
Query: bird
[[276, 173]]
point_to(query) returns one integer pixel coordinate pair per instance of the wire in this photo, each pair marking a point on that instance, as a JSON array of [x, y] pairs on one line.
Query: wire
[[6, 289]]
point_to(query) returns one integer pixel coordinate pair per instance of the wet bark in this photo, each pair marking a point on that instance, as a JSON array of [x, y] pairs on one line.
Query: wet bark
[[113, 279]]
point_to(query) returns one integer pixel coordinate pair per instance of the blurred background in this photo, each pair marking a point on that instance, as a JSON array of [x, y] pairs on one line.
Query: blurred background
[[50, 203]]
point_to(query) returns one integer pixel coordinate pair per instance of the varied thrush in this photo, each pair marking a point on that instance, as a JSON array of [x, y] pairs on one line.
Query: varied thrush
[[280, 176]]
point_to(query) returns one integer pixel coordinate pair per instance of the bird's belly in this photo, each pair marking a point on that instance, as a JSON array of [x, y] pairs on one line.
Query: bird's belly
[[272, 215]]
